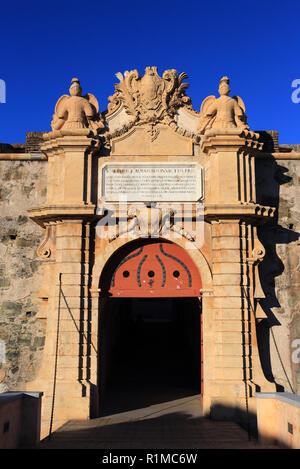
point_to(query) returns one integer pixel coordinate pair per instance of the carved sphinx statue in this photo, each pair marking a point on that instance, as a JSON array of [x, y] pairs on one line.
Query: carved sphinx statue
[[76, 111], [223, 112]]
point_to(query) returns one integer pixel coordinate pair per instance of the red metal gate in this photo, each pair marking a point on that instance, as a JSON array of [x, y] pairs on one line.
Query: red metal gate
[[152, 268]]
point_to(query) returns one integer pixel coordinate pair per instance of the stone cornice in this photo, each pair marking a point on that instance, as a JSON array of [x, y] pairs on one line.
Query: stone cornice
[[69, 143], [33, 156], [230, 140], [69, 140], [241, 211], [279, 156], [46, 213]]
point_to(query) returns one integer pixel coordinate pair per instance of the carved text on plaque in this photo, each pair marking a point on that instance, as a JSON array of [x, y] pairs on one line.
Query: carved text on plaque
[[147, 182]]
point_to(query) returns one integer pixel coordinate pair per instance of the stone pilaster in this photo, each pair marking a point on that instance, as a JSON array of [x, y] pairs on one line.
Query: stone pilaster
[[231, 208], [68, 362]]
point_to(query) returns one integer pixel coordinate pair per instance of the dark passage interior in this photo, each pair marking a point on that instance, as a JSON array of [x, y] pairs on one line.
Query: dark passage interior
[[150, 352]]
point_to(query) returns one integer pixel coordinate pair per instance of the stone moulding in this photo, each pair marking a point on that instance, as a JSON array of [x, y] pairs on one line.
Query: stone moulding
[[119, 132], [46, 213], [36, 156], [243, 210], [68, 133], [227, 139]]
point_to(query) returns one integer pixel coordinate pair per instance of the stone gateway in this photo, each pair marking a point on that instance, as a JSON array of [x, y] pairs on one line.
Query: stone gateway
[[161, 253]]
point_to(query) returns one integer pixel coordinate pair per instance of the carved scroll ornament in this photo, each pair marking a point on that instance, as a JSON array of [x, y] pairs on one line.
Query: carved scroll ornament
[[46, 250]]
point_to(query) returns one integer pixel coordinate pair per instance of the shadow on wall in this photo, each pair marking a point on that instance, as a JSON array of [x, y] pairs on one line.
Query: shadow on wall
[[270, 176]]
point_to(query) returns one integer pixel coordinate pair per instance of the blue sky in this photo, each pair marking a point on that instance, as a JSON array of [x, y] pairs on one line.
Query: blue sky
[[45, 44]]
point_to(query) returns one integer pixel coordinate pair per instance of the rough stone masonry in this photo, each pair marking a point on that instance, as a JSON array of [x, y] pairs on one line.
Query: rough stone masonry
[[23, 184]]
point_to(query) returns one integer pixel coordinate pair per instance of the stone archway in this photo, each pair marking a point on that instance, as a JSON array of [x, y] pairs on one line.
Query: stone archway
[[150, 334]]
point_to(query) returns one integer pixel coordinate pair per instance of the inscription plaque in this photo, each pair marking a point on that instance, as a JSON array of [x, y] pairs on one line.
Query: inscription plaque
[[151, 181]]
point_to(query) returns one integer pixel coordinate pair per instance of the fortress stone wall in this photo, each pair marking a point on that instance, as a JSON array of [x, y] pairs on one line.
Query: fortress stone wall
[[278, 183], [22, 186]]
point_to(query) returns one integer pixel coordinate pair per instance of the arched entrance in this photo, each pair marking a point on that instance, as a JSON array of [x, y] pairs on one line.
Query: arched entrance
[[150, 326]]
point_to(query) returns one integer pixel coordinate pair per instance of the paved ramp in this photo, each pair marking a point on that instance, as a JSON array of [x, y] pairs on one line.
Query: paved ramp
[[173, 425]]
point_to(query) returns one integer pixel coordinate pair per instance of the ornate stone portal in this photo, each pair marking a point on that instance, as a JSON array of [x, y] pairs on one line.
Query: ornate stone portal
[[210, 158]]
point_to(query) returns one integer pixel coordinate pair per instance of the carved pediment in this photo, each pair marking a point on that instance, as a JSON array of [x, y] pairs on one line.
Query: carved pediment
[[161, 141]]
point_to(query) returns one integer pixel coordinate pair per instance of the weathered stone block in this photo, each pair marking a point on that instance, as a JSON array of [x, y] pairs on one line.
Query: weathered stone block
[[10, 308], [4, 282], [231, 338], [229, 279], [226, 267], [25, 338], [229, 242], [228, 290], [229, 373], [23, 242], [39, 341], [226, 255], [231, 326], [225, 229]]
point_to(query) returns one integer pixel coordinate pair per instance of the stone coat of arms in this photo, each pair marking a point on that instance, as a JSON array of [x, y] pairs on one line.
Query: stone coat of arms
[[150, 98]]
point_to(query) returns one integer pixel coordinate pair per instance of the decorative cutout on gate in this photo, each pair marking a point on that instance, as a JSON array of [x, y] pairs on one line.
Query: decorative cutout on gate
[[155, 269]]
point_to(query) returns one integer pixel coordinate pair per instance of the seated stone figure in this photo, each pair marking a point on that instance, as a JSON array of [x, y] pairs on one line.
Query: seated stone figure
[[224, 112], [76, 111]]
